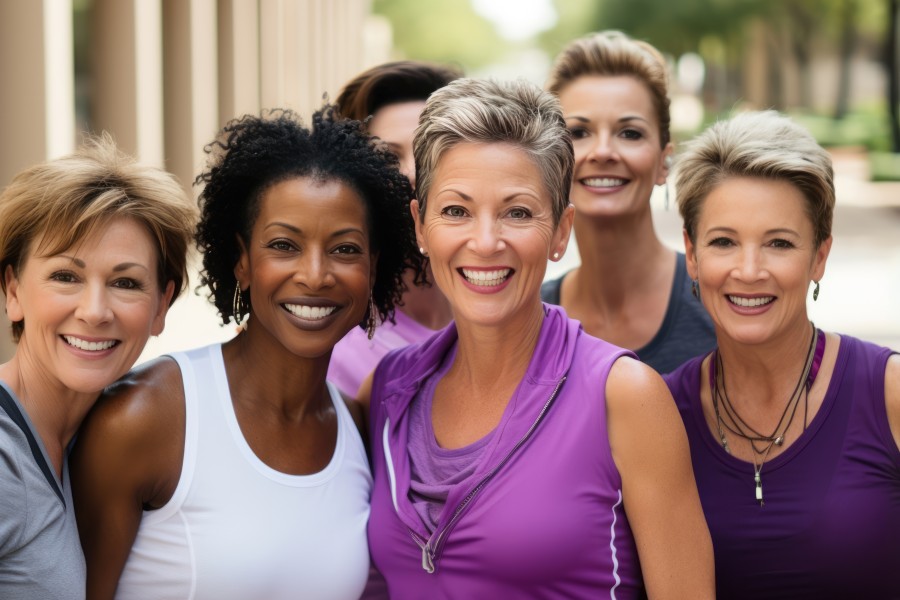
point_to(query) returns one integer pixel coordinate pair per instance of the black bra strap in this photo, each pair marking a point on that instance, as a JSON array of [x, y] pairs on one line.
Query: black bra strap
[[9, 405]]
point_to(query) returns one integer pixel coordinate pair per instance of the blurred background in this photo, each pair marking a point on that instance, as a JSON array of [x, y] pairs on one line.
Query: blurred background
[[163, 76]]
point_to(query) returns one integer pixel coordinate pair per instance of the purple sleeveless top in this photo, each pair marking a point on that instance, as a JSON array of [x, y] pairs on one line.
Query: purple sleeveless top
[[542, 515], [830, 526]]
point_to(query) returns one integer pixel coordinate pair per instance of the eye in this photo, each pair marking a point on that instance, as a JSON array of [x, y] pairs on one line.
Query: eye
[[781, 244], [721, 242], [632, 134], [454, 211], [281, 245], [519, 213], [348, 249], [578, 133], [63, 277], [127, 283]]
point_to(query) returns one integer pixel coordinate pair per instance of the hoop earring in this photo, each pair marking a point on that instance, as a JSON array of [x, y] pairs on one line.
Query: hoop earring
[[371, 322], [237, 304], [695, 289], [816, 292]]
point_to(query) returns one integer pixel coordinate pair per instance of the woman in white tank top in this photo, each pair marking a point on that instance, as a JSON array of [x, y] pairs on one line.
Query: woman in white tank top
[[235, 470]]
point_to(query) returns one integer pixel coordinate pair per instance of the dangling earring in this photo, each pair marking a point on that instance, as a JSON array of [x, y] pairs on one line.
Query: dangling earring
[[371, 322], [695, 288], [667, 195], [816, 292], [237, 304]]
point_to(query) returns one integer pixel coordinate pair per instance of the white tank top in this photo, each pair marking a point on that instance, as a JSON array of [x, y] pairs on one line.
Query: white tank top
[[237, 529]]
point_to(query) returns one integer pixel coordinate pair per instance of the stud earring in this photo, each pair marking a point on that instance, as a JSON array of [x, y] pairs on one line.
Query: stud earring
[[371, 322], [816, 292], [556, 256], [695, 289], [422, 251]]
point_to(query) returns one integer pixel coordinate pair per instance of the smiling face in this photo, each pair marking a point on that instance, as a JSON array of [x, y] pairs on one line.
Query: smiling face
[[308, 265], [488, 229], [754, 256], [618, 154], [89, 310], [395, 124]]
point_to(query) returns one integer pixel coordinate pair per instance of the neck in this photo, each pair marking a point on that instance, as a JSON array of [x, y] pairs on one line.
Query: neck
[[426, 306], [55, 410], [491, 356], [264, 375], [626, 252]]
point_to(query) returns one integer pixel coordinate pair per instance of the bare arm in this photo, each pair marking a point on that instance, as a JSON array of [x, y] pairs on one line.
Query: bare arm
[[127, 458], [892, 395], [650, 449]]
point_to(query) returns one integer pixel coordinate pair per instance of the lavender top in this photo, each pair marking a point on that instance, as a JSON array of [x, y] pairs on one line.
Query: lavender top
[[830, 526]]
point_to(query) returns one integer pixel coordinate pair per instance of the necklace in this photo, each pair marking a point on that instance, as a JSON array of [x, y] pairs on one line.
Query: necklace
[[738, 426]]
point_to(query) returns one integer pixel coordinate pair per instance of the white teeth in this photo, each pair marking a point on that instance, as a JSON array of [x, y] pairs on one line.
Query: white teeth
[[486, 278], [313, 313], [603, 181], [91, 346], [750, 302]]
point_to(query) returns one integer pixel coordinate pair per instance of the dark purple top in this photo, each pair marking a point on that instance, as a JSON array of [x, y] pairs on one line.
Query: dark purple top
[[830, 526]]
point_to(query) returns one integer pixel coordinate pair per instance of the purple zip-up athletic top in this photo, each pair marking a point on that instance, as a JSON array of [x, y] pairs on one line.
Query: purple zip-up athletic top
[[542, 516], [830, 526]]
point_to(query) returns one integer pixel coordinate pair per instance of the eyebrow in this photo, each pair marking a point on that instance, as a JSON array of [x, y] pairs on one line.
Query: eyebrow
[[298, 231], [777, 230], [116, 269], [624, 119], [506, 199]]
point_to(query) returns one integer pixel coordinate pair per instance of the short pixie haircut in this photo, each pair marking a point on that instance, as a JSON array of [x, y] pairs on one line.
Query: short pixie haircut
[[253, 153], [614, 54], [762, 144], [50, 207], [487, 112], [392, 83]]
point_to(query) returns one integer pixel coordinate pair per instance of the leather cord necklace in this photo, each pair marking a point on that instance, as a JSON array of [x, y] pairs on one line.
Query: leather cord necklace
[[738, 426]]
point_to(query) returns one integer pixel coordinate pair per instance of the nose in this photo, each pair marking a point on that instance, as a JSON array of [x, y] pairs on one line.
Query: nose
[[751, 267], [487, 238], [94, 307], [314, 270], [602, 148]]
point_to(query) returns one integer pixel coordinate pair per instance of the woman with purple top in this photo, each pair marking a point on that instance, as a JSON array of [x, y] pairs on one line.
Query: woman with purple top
[[514, 455], [794, 432], [389, 98]]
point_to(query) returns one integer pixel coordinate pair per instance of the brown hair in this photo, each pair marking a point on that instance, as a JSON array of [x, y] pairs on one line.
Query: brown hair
[[62, 201]]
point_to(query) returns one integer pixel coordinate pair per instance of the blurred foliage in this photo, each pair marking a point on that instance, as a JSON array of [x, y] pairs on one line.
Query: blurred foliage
[[441, 31]]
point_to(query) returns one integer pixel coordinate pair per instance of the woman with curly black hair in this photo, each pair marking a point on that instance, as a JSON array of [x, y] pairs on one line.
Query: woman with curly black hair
[[235, 470]]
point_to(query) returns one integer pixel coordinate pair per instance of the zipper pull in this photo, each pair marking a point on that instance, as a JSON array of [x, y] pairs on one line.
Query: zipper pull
[[427, 563]]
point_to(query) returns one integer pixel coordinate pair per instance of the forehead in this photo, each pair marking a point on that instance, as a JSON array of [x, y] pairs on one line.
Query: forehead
[[307, 198], [398, 119], [601, 94], [753, 201]]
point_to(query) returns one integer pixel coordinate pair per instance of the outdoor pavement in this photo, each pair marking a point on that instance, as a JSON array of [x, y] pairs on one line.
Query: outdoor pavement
[[860, 293]]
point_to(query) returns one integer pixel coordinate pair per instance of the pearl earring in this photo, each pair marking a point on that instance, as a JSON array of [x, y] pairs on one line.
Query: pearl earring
[[556, 256]]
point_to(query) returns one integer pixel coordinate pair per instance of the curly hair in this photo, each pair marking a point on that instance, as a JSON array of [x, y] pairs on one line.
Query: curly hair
[[253, 153]]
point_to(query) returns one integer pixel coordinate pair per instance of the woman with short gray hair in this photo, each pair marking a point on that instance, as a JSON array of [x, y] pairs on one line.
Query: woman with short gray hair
[[513, 454]]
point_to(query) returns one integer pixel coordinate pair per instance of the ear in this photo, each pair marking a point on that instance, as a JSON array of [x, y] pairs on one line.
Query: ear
[[563, 233], [690, 254], [242, 267], [821, 257], [414, 211], [13, 306], [165, 301], [665, 164]]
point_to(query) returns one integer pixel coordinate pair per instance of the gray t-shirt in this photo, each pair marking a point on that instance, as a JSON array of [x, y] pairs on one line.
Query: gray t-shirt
[[686, 330], [40, 555]]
